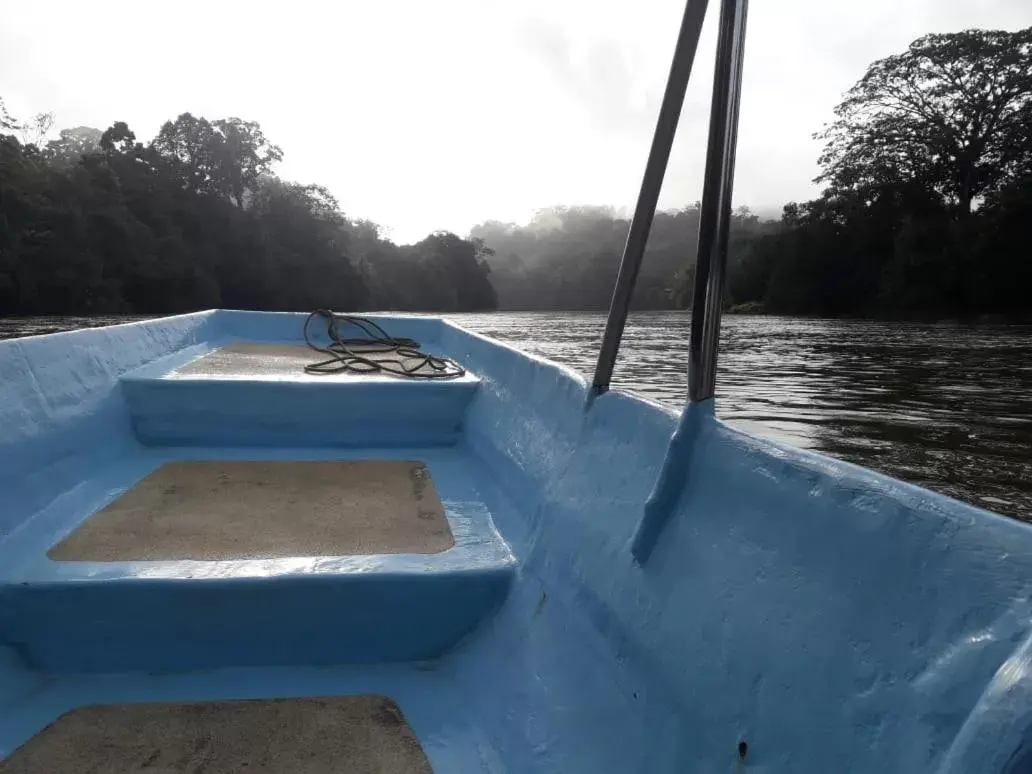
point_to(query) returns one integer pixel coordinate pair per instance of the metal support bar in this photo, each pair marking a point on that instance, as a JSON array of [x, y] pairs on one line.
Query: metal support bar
[[714, 222], [715, 214], [652, 182]]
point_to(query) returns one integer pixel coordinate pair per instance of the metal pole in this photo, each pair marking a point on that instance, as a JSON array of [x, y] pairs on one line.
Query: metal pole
[[652, 182], [715, 215]]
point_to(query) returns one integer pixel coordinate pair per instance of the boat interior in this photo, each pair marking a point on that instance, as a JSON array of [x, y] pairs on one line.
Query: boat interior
[[212, 558], [221, 551]]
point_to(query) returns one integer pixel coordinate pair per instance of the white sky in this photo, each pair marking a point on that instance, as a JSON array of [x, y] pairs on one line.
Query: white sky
[[438, 115]]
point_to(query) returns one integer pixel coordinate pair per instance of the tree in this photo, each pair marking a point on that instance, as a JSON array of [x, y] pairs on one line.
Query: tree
[[928, 172], [953, 112], [243, 155], [457, 272], [72, 145], [224, 158], [32, 131], [7, 122], [118, 138]]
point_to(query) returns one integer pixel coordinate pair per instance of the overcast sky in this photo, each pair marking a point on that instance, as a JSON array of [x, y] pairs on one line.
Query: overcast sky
[[438, 115]]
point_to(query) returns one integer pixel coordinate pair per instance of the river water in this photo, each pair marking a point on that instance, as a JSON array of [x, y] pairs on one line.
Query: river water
[[945, 406]]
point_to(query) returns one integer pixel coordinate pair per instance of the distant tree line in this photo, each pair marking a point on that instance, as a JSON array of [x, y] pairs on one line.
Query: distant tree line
[[96, 222], [926, 210], [568, 257]]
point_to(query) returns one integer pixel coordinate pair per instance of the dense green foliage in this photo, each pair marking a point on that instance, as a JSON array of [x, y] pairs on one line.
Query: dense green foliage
[[928, 191], [95, 222], [927, 208], [928, 201]]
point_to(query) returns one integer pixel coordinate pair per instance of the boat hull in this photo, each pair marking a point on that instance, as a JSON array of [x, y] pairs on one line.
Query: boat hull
[[828, 617]]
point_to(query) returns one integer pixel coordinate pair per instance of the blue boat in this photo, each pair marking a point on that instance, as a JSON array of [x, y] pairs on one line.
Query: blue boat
[[246, 541]]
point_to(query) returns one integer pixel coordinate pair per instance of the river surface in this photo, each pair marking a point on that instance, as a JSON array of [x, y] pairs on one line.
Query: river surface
[[945, 406]]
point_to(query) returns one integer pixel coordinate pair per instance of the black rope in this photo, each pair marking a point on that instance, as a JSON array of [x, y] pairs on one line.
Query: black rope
[[353, 355]]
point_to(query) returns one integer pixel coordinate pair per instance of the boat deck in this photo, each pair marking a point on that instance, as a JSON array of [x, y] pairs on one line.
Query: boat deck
[[356, 712], [251, 509], [137, 566], [265, 580], [191, 575], [260, 736]]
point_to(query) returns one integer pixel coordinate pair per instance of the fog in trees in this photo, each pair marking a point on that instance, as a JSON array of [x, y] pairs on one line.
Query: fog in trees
[[926, 210]]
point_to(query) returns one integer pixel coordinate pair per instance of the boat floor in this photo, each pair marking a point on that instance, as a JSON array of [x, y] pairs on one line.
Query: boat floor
[[239, 509], [359, 734], [429, 694], [392, 718], [426, 512]]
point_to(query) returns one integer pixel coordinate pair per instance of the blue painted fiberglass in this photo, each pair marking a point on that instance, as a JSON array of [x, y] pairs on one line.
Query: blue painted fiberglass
[[627, 592]]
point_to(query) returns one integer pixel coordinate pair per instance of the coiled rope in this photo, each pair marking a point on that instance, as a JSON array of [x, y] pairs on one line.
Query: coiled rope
[[355, 355]]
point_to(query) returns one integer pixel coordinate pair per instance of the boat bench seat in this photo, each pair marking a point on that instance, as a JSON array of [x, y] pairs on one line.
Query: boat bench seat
[[195, 558], [197, 398]]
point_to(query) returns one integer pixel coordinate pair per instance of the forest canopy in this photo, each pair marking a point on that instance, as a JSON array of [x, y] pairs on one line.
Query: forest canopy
[[925, 210], [95, 222]]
